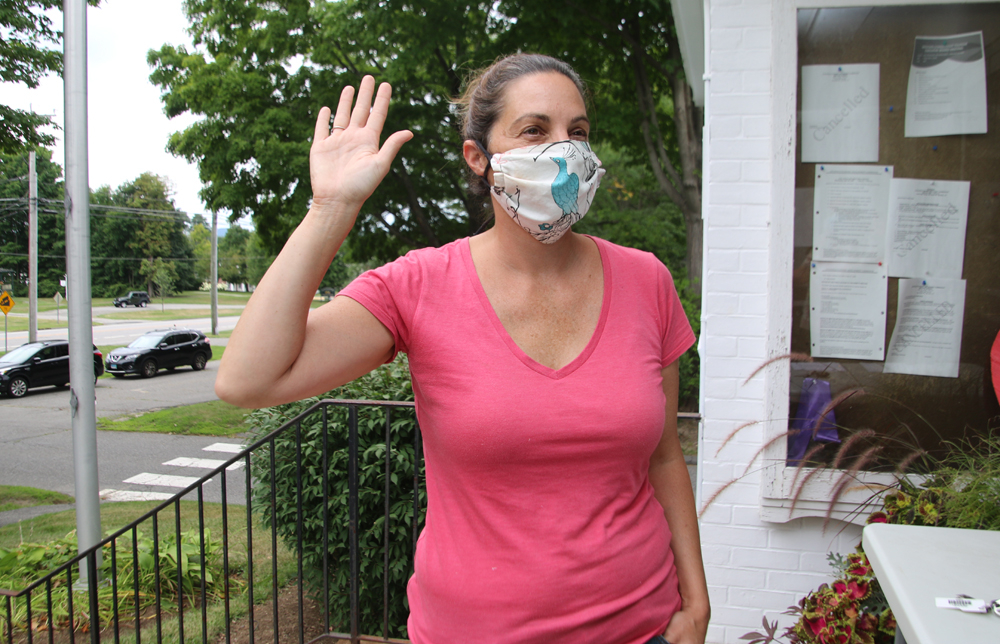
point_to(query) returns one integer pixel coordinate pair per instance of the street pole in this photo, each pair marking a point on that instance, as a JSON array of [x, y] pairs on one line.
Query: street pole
[[32, 249], [215, 273], [81, 337]]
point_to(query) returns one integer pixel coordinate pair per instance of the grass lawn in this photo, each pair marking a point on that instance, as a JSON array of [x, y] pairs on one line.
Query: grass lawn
[[213, 418], [114, 516], [13, 497], [204, 297], [153, 312], [19, 323]]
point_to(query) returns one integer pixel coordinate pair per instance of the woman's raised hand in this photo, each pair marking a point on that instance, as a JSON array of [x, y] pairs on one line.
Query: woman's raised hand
[[345, 162]]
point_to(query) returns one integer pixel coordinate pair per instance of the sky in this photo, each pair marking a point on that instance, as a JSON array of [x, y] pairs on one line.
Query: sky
[[128, 130]]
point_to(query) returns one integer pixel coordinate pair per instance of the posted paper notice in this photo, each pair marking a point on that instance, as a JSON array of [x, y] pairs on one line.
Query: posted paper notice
[[946, 92], [927, 340], [850, 212], [927, 222], [840, 113], [847, 310]]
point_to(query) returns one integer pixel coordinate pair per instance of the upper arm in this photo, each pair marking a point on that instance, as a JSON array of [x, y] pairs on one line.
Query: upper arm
[[669, 447], [342, 341]]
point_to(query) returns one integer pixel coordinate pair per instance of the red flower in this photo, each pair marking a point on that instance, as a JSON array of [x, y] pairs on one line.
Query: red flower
[[878, 517]]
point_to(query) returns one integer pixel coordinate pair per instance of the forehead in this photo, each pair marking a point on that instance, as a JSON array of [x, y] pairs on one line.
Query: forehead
[[549, 93]]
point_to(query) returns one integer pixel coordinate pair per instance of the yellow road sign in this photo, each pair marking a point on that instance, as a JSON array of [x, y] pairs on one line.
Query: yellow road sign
[[6, 302]]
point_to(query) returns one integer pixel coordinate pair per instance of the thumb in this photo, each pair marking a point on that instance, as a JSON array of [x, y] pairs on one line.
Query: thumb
[[393, 144]]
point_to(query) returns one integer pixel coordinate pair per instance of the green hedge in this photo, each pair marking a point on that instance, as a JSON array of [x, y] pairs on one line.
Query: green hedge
[[389, 382]]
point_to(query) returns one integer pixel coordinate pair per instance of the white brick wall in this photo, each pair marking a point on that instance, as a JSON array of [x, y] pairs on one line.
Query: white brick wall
[[755, 569]]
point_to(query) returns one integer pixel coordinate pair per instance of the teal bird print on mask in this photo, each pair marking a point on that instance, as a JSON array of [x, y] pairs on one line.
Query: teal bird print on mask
[[565, 188]]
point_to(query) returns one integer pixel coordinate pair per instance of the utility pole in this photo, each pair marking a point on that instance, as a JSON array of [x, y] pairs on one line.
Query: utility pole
[[32, 249], [215, 273], [81, 336]]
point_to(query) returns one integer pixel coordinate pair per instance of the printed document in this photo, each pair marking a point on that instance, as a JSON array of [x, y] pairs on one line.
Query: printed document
[[847, 310], [946, 93], [850, 212], [840, 113], [927, 221], [927, 340]]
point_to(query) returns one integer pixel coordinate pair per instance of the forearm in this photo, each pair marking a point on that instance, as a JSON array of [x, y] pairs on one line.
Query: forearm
[[272, 328], [672, 486]]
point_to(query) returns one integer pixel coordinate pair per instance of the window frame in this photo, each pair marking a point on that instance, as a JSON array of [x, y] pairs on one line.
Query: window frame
[[778, 479]]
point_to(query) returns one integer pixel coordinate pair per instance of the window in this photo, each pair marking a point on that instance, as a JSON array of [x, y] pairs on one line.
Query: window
[[905, 410]]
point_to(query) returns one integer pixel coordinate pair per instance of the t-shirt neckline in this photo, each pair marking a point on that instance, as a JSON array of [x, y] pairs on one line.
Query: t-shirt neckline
[[528, 361]]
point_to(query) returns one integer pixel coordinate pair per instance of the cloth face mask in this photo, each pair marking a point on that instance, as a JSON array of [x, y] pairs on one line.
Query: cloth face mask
[[546, 188]]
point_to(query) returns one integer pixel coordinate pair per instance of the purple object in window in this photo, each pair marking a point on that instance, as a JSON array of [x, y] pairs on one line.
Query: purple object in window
[[814, 398]]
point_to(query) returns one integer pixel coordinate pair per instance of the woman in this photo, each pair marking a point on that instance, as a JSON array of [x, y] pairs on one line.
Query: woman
[[544, 370]]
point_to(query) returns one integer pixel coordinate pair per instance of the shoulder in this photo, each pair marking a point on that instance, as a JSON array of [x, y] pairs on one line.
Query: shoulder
[[431, 257], [632, 262]]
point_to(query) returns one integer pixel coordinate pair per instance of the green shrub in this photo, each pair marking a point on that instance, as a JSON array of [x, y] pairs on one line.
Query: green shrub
[[22, 565], [389, 382]]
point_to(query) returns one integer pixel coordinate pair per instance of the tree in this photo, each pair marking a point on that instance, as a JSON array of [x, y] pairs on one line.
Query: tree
[[129, 234], [632, 62], [14, 221], [233, 255], [261, 70], [25, 59], [200, 240], [252, 144]]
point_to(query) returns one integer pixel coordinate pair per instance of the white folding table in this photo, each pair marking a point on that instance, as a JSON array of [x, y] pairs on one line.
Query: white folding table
[[916, 564]]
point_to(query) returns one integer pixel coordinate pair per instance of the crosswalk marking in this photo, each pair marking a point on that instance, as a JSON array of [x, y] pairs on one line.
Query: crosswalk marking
[[202, 463], [133, 495], [164, 480], [232, 448]]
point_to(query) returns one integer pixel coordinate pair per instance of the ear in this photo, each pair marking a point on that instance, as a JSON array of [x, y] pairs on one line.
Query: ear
[[474, 157]]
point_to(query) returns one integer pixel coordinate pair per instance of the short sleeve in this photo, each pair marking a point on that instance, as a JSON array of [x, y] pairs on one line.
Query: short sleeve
[[390, 293], [677, 336]]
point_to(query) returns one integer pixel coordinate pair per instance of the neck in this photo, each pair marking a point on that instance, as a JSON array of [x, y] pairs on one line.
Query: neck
[[517, 251]]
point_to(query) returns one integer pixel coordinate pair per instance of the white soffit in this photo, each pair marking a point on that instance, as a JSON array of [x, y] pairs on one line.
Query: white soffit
[[689, 17]]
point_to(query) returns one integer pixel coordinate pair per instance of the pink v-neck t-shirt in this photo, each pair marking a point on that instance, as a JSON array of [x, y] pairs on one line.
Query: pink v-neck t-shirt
[[541, 526]]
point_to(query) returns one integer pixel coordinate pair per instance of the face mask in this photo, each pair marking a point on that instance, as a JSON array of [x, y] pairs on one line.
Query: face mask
[[546, 188]]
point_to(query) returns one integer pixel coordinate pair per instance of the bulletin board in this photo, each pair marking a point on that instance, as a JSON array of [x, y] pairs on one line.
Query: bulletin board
[[905, 411]]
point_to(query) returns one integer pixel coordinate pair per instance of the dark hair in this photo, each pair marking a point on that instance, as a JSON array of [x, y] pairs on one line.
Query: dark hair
[[483, 98]]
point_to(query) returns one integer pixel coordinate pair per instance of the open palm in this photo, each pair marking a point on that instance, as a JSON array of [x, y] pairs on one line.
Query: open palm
[[345, 161]]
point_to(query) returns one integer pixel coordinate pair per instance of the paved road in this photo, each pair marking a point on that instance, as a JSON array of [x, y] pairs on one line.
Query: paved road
[[108, 331], [36, 438]]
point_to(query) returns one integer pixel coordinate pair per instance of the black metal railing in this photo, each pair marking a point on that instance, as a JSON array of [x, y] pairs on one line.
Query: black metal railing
[[31, 614]]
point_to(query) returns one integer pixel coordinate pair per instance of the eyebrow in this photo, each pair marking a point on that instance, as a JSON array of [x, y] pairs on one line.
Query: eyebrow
[[545, 119]]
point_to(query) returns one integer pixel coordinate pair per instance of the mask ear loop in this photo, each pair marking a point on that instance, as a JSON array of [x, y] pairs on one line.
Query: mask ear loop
[[486, 153]]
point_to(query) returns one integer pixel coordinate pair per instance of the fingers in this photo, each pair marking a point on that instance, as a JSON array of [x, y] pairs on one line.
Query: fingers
[[363, 106], [322, 125], [343, 117], [393, 144], [380, 110]]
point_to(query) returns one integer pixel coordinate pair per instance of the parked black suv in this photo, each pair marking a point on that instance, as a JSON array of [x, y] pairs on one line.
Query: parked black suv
[[160, 349], [37, 364], [134, 298]]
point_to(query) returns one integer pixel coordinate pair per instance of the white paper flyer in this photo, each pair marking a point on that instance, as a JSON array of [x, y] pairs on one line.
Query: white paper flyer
[[850, 212], [840, 113], [927, 223], [847, 310], [927, 340], [946, 93]]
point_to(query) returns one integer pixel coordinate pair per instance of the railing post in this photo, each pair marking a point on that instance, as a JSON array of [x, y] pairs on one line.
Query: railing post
[[352, 492], [385, 525], [417, 445]]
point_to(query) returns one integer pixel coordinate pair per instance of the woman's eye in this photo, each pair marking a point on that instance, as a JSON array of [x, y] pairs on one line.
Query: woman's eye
[[531, 131]]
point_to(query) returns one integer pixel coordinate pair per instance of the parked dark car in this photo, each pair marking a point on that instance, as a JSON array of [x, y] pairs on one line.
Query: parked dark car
[[160, 349], [134, 298], [37, 364]]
